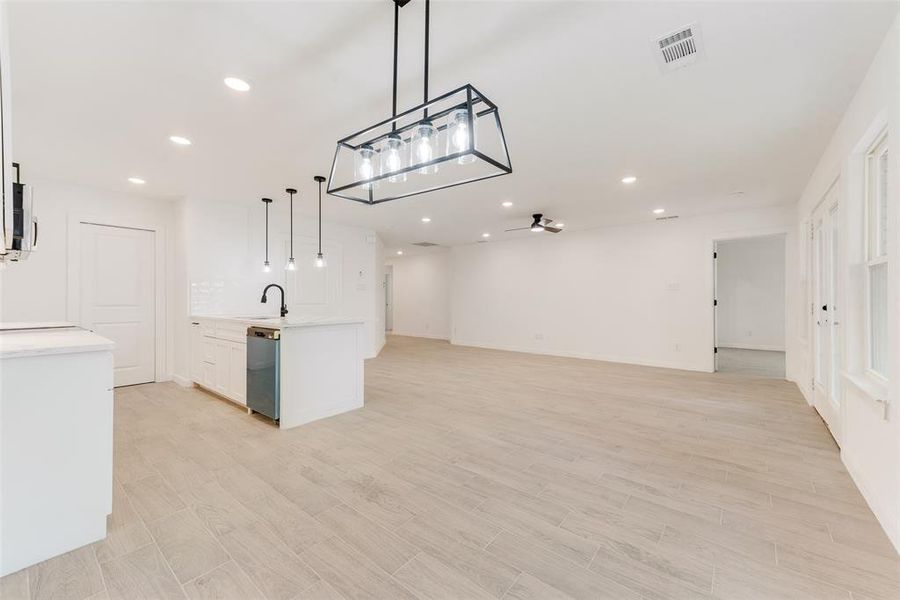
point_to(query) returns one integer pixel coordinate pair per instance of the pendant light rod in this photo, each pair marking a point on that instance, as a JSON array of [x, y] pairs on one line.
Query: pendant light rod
[[292, 191], [396, 45], [320, 180], [427, 45], [267, 202]]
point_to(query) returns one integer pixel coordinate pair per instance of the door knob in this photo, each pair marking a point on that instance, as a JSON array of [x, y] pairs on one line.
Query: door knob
[[824, 307]]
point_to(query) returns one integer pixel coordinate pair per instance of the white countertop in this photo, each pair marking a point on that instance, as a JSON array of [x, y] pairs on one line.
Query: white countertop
[[285, 322], [33, 325], [16, 342]]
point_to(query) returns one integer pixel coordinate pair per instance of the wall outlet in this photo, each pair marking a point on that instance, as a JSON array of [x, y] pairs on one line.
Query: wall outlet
[[749, 333], [677, 347], [538, 336]]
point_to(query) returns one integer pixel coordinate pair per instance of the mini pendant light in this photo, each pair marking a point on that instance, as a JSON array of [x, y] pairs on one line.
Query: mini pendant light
[[320, 258], [291, 265], [266, 267]]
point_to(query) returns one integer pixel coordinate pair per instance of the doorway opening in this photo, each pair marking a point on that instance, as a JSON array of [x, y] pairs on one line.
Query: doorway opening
[[749, 306], [389, 298]]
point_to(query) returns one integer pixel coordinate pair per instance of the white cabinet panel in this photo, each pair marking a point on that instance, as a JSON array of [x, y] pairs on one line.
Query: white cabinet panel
[[219, 358], [223, 375], [208, 349], [209, 375], [237, 368], [196, 352]]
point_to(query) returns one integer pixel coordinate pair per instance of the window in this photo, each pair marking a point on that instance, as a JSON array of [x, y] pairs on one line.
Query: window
[[877, 262]]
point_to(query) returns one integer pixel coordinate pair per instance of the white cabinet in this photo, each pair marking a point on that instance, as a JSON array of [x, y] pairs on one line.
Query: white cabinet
[[219, 360], [237, 371], [196, 352]]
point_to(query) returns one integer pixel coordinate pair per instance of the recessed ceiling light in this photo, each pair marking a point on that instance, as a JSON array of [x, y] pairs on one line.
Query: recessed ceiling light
[[629, 179], [485, 235], [506, 204], [400, 252], [426, 219], [237, 84], [137, 180], [658, 211], [181, 141]]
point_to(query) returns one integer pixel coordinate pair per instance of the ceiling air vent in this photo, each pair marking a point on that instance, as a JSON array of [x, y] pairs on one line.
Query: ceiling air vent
[[679, 48], [424, 244], [669, 218]]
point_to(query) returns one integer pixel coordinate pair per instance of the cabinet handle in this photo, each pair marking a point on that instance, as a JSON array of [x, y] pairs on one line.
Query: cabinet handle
[[194, 323]]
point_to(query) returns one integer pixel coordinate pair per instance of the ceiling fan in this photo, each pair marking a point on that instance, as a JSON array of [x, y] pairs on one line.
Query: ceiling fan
[[539, 224]]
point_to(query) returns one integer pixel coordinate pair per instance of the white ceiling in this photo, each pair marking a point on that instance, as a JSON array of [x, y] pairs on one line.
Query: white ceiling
[[99, 87]]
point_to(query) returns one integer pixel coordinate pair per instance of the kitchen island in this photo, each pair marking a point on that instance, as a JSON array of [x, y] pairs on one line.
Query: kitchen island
[[56, 440], [320, 363]]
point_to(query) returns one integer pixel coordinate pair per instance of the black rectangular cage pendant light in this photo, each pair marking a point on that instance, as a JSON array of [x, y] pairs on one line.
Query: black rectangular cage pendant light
[[446, 141]]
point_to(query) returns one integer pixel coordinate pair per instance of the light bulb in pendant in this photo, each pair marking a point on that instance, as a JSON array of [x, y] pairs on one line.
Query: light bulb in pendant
[[320, 261], [394, 157], [365, 165], [424, 141], [266, 267], [458, 135], [291, 265]]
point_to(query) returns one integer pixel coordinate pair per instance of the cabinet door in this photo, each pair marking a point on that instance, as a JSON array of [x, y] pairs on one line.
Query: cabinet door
[[196, 353], [208, 349], [238, 370], [223, 375], [208, 375]]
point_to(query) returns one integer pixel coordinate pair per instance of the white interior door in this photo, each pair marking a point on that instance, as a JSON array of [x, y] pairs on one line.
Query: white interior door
[[117, 296], [825, 313]]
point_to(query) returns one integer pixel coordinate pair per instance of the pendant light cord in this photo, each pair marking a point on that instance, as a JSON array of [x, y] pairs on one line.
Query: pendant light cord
[[267, 232], [292, 225]]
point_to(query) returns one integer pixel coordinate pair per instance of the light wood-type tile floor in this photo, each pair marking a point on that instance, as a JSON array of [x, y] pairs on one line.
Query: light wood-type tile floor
[[483, 474], [756, 363]]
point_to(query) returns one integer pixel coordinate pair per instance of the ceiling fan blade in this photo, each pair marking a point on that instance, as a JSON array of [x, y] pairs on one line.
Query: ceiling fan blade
[[552, 229], [519, 229], [546, 221]]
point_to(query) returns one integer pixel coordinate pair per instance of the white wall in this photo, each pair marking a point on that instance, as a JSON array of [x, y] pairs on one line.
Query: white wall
[[639, 294], [422, 294], [225, 248], [750, 293], [870, 445], [214, 253], [36, 289]]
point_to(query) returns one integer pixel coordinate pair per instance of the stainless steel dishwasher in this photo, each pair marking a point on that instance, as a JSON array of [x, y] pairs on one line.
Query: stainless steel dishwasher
[[264, 371]]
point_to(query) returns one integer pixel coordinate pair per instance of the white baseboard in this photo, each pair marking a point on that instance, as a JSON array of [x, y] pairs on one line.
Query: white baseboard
[[182, 381], [683, 366], [417, 334], [743, 346], [380, 348], [886, 517]]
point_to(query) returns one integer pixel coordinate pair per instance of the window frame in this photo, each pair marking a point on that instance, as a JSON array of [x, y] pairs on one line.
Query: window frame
[[873, 241]]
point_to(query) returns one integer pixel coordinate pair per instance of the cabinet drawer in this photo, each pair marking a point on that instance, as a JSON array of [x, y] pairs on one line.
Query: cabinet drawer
[[207, 328], [234, 332]]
